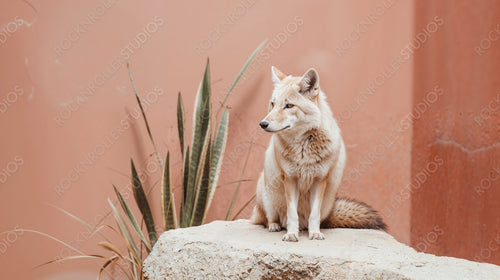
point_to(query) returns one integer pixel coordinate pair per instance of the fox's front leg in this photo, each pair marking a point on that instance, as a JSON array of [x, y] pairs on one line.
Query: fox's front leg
[[269, 201], [292, 200], [272, 217], [317, 192]]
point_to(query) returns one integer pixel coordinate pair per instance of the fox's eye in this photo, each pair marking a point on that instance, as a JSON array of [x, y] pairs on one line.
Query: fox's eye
[[272, 104], [288, 106]]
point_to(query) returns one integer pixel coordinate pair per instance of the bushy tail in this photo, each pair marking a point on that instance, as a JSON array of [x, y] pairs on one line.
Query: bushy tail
[[350, 213]]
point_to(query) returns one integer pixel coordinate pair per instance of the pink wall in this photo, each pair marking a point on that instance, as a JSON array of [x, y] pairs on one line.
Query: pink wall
[[455, 210], [48, 67]]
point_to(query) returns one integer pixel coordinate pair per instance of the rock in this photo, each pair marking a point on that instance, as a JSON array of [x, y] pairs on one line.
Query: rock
[[240, 250]]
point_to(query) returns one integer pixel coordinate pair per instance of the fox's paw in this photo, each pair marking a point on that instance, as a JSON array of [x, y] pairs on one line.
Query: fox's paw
[[316, 236], [291, 237], [274, 227]]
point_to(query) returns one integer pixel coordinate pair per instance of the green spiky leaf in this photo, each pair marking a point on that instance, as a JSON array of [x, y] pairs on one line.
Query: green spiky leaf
[[202, 191], [180, 121], [219, 146], [168, 207], [142, 203], [201, 129], [185, 179]]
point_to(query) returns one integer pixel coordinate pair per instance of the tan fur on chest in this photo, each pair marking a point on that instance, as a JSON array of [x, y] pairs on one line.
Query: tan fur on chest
[[306, 157]]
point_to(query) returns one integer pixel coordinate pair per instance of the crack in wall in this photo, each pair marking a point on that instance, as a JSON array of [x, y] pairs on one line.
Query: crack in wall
[[462, 147]]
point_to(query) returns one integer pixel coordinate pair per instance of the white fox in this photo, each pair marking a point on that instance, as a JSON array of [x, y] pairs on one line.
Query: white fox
[[304, 164]]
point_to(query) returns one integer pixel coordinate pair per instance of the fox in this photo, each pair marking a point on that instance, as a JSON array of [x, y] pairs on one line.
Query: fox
[[304, 164]]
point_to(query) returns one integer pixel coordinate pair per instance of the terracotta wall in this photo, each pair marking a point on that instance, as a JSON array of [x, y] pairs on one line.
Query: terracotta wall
[[455, 148], [68, 114]]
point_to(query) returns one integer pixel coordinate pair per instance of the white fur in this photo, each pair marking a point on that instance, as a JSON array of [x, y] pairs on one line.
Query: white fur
[[311, 172]]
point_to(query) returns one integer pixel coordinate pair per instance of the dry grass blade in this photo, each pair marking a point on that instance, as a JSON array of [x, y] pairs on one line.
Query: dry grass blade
[[125, 233], [239, 183], [48, 236], [148, 192], [108, 246], [234, 182], [73, 258], [143, 114], [134, 270], [106, 264], [89, 226], [240, 74], [243, 207], [131, 218], [103, 267], [110, 261], [124, 241]]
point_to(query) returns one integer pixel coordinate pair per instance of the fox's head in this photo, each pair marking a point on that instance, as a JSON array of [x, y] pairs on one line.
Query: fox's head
[[294, 103]]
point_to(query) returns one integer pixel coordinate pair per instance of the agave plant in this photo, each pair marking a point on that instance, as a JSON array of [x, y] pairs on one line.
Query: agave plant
[[201, 165], [202, 162]]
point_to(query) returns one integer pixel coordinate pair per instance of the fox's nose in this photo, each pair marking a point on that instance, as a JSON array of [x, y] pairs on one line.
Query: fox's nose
[[264, 124]]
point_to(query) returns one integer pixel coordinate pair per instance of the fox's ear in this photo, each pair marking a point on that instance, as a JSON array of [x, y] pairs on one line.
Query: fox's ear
[[277, 75], [309, 84]]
